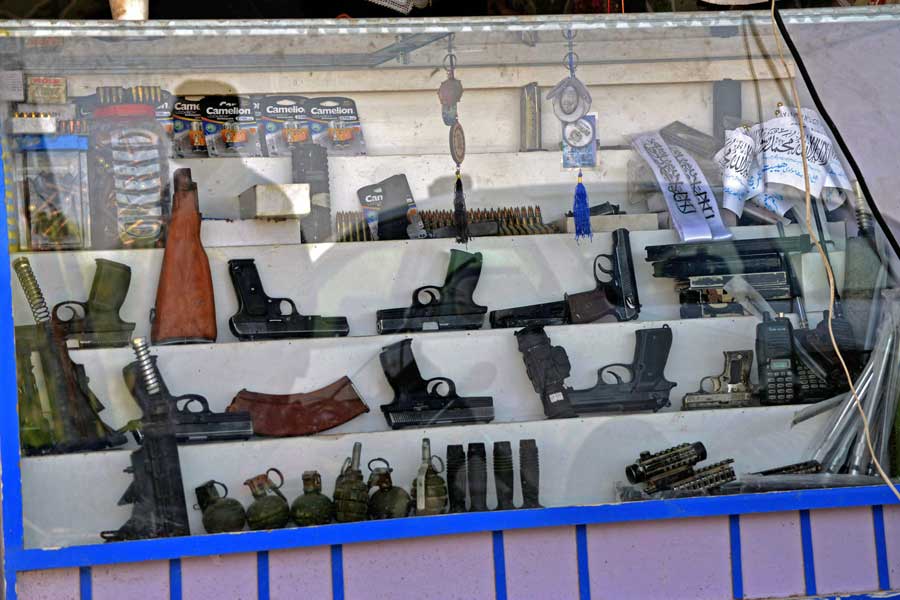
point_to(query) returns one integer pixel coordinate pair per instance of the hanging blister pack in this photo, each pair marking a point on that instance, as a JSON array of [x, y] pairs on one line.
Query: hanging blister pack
[[136, 173], [230, 127], [163, 113], [334, 124], [282, 122], [390, 210], [188, 139], [129, 173]]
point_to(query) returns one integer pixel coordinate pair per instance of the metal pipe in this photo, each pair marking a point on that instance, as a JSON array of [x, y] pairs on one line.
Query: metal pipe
[[858, 455]]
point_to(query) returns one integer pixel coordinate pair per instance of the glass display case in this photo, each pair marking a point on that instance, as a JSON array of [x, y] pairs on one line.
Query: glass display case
[[294, 275]]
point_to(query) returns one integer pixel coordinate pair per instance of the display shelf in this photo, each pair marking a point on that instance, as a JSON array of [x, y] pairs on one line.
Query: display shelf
[[357, 279], [581, 460], [496, 369]]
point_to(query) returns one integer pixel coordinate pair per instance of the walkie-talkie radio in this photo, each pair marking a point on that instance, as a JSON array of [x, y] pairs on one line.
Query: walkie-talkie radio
[[783, 379]]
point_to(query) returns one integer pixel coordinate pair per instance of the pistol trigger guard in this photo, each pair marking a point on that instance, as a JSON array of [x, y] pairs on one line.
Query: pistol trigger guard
[[276, 302], [69, 305], [598, 266], [432, 385], [716, 384], [191, 399], [433, 293], [616, 376]]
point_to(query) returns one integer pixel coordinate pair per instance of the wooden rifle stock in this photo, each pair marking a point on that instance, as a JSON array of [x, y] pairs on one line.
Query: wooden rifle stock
[[185, 310]]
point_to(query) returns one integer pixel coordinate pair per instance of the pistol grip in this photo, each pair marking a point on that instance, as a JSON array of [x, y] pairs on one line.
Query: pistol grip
[[588, 307], [651, 353]]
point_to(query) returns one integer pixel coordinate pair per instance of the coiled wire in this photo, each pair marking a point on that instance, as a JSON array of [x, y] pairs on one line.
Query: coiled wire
[[145, 364], [32, 290]]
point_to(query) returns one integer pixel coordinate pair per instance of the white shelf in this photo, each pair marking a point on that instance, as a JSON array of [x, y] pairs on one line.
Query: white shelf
[[581, 459]]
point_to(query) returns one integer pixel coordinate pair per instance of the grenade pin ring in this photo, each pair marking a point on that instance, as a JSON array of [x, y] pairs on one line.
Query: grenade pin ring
[[224, 487], [440, 460], [382, 460], [280, 478]]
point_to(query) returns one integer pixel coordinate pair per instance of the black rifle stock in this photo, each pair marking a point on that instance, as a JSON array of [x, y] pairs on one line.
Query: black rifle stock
[[616, 297], [75, 425], [419, 402], [450, 306], [646, 388], [34, 429], [260, 317], [157, 492]]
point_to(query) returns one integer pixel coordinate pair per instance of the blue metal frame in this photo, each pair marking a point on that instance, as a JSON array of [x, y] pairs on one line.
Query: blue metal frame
[[16, 558]]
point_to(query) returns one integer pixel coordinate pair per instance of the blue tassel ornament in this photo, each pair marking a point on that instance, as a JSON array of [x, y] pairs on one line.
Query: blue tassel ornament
[[582, 211]]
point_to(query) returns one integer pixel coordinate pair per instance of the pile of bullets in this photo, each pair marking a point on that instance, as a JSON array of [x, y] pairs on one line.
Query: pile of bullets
[[42, 122], [673, 470], [352, 227], [138, 94], [72, 126], [519, 220]]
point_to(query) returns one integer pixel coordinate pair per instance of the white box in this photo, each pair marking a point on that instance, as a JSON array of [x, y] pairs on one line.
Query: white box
[[275, 201]]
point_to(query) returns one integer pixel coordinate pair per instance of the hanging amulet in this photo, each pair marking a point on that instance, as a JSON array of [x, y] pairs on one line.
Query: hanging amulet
[[457, 143], [449, 94]]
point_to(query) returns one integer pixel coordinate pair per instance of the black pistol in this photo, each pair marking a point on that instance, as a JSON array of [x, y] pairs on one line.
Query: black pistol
[[419, 402], [617, 296], [444, 308], [193, 421], [647, 389], [260, 317], [96, 323]]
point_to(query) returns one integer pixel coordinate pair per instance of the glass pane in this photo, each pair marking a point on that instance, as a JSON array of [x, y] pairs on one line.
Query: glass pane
[[241, 272]]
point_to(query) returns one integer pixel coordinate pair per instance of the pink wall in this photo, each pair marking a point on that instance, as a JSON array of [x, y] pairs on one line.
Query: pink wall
[[674, 559]]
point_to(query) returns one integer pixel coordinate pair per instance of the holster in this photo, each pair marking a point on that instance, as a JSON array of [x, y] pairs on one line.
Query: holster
[[301, 414]]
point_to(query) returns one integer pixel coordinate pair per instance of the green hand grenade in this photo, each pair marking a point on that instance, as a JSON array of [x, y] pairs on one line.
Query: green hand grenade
[[388, 502], [268, 510], [429, 490], [312, 507], [351, 496], [220, 513]]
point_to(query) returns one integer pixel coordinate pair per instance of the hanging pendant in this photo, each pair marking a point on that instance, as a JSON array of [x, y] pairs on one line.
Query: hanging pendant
[[457, 143], [460, 213]]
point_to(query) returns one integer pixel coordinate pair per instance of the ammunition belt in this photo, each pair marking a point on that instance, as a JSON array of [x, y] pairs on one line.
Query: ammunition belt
[[351, 226]]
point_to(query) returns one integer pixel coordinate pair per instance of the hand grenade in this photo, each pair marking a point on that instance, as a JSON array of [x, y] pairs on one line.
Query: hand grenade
[[313, 507], [388, 502], [351, 496], [268, 511], [220, 513], [429, 490]]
